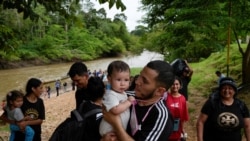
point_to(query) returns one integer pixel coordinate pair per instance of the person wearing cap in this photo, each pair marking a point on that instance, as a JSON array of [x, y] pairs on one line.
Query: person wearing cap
[[185, 77], [78, 73], [223, 118]]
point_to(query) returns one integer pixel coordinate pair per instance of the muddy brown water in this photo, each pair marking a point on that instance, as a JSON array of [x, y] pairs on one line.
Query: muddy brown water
[[17, 78]]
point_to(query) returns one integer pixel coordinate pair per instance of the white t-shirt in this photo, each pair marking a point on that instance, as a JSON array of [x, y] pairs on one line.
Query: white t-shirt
[[110, 100]]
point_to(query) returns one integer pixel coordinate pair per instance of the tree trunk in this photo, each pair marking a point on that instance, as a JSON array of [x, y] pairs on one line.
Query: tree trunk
[[246, 66]]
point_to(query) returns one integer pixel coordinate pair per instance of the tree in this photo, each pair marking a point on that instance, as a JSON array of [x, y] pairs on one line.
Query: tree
[[27, 6], [196, 28]]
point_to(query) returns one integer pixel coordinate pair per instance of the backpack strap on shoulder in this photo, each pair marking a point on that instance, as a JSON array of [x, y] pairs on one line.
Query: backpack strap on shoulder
[[76, 113], [81, 105], [92, 112], [241, 105]]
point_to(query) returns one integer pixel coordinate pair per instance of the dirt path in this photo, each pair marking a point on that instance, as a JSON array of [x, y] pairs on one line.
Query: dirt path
[[194, 105]]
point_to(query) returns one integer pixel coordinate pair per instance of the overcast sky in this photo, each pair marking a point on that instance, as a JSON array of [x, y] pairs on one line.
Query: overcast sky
[[132, 12]]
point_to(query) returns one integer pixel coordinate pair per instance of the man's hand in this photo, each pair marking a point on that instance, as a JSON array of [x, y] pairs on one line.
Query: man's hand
[[109, 137]]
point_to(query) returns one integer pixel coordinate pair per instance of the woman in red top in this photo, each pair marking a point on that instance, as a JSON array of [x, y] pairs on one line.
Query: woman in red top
[[176, 103]]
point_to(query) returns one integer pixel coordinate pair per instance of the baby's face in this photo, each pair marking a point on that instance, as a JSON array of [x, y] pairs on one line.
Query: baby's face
[[119, 81]]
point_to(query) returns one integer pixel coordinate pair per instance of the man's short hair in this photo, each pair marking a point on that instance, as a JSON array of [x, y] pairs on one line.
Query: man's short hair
[[165, 73], [78, 68]]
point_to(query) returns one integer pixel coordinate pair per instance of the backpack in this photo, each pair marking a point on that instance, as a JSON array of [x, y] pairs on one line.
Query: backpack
[[72, 129], [215, 97], [178, 66]]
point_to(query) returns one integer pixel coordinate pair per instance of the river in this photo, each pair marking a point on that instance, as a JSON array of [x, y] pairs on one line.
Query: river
[[17, 78]]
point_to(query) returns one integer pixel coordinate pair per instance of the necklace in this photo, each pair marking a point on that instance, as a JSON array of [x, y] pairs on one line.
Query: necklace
[[32, 99]]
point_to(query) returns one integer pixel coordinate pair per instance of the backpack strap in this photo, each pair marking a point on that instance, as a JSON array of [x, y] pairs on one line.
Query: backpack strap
[[81, 105], [241, 105], [76, 113], [92, 112]]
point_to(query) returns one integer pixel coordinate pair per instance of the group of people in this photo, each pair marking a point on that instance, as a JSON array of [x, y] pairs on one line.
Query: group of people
[[25, 112], [142, 117], [155, 109], [158, 99], [145, 115]]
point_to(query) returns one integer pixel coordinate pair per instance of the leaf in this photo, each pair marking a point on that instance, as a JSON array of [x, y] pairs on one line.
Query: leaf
[[102, 1], [119, 4], [111, 3]]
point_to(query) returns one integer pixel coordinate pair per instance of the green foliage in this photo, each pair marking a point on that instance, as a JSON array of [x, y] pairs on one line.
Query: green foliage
[[86, 35], [9, 56], [62, 6], [194, 29], [117, 45], [118, 3]]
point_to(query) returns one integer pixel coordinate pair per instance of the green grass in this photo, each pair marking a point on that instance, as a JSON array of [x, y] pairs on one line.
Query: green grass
[[135, 71], [4, 126], [204, 71]]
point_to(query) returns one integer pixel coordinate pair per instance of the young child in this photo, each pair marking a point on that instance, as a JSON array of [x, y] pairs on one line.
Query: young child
[[14, 102], [116, 100]]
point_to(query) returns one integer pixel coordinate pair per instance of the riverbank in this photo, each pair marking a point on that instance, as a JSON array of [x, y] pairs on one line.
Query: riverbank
[[28, 63]]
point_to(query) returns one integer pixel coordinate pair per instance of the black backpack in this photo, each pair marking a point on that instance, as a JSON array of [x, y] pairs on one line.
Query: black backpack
[[72, 129]]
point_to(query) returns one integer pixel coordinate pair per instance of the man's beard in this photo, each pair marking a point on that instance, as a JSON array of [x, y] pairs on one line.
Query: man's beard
[[146, 97]]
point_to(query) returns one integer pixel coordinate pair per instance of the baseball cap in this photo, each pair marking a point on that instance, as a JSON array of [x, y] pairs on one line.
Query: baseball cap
[[228, 81]]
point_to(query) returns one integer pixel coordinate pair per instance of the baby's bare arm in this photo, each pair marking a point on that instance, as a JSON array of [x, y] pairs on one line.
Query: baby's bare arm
[[122, 106]]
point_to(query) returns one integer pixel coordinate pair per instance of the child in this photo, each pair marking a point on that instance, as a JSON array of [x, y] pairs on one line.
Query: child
[[14, 102], [116, 100]]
